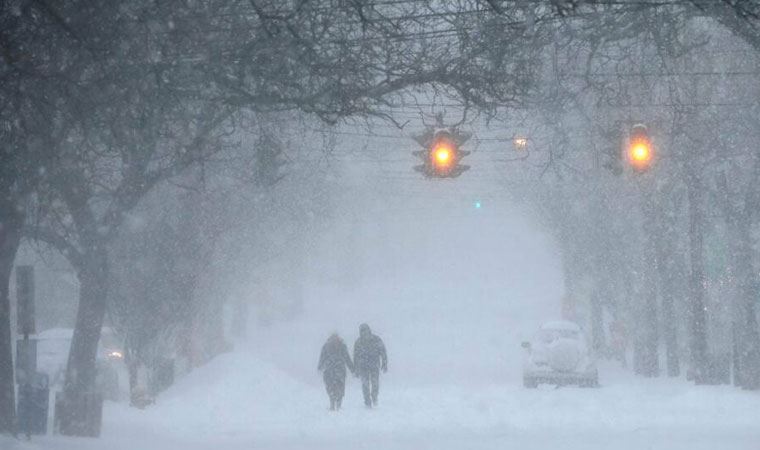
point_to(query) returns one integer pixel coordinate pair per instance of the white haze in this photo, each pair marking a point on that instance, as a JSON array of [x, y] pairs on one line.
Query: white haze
[[451, 288]]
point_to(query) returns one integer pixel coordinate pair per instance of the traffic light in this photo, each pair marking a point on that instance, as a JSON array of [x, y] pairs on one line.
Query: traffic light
[[442, 154], [640, 151]]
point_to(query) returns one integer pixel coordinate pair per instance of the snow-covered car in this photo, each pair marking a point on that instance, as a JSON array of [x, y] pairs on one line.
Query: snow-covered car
[[559, 354]]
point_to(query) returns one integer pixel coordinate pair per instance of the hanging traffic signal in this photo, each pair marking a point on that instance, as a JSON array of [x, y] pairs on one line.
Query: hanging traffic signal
[[640, 152], [442, 154]]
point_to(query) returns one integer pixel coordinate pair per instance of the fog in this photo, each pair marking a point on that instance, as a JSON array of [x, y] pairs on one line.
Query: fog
[[379, 224], [451, 286]]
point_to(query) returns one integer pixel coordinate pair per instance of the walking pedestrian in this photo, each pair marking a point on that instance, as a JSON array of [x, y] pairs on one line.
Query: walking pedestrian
[[369, 358], [333, 361]]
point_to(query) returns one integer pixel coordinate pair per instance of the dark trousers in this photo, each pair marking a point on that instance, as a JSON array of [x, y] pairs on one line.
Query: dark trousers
[[370, 385], [336, 388]]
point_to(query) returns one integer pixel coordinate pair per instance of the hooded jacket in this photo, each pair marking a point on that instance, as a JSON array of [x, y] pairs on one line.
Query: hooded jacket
[[369, 351]]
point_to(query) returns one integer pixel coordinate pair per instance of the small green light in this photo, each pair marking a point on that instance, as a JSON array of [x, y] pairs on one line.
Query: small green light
[[477, 205]]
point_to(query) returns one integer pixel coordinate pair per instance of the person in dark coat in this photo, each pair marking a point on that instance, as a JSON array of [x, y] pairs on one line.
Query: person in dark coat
[[369, 358], [333, 362]]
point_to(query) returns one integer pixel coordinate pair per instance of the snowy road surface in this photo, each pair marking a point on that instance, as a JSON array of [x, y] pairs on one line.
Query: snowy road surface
[[239, 402]]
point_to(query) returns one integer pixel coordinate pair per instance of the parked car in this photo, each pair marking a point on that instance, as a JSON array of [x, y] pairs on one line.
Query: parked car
[[559, 354]]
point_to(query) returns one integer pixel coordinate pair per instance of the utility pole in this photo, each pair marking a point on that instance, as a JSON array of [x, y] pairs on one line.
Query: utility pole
[[697, 305]]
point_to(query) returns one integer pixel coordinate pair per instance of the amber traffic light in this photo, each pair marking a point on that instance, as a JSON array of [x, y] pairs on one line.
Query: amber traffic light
[[442, 154], [640, 152]]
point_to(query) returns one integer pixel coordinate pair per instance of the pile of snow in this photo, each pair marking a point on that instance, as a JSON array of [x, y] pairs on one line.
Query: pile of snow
[[234, 392]]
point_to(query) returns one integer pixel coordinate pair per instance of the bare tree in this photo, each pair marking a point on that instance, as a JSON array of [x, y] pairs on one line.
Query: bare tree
[[32, 121]]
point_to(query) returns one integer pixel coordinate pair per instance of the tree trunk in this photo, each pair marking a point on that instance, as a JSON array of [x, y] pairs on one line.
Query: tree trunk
[[646, 359], [81, 368], [670, 332], [667, 268], [746, 339], [216, 343], [600, 290], [651, 357], [11, 223], [597, 324], [132, 367], [697, 308]]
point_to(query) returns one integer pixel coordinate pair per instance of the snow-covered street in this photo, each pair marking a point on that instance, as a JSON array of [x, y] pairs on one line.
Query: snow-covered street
[[240, 402]]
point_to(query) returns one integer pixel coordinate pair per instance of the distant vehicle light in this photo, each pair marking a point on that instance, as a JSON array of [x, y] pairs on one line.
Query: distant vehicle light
[[115, 355], [520, 143]]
